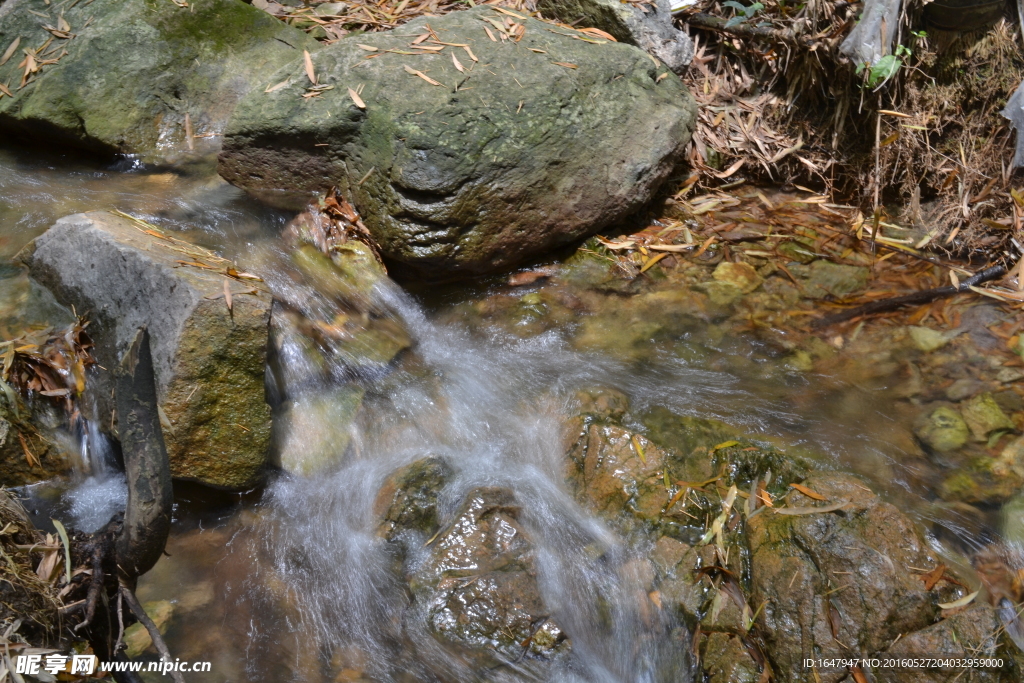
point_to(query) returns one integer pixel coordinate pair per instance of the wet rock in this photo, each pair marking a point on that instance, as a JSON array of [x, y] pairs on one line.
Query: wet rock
[[649, 27], [131, 71], [408, 498], [469, 181], [824, 279], [942, 429], [603, 403], [970, 633], [725, 659], [477, 592], [928, 340], [742, 275], [27, 455], [678, 585], [984, 416], [837, 576], [316, 429], [619, 471], [208, 359]]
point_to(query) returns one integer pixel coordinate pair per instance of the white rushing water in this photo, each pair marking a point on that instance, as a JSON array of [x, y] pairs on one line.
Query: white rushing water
[[493, 409]]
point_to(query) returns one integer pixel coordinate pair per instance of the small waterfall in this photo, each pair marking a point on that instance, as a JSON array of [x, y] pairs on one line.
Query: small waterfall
[[495, 410], [98, 489]]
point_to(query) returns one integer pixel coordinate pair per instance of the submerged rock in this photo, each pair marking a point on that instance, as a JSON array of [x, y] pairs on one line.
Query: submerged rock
[[648, 26], [121, 76], [984, 416], [460, 166], [477, 592], [825, 279], [942, 429], [208, 357], [408, 499], [742, 275]]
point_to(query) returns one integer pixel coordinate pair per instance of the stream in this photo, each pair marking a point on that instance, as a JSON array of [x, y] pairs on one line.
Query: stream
[[294, 583]]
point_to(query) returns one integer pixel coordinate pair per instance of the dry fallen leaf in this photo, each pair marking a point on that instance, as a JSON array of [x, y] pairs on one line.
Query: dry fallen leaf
[[598, 33], [227, 293], [966, 600], [567, 65], [356, 98], [490, 35], [9, 52], [272, 88], [368, 48], [310, 72], [32, 460], [189, 139], [458, 64], [422, 75], [808, 492], [933, 577], [470, 53]]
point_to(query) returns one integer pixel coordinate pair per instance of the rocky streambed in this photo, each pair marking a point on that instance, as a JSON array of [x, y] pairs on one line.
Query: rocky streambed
[[636, 458]]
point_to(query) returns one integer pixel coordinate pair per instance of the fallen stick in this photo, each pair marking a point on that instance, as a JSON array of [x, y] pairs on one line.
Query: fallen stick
[[914, 299], [710, 22]]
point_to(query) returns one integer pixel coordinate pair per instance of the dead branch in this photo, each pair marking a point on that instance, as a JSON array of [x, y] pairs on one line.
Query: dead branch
[[710, 22], [914, 299], [154, 632]]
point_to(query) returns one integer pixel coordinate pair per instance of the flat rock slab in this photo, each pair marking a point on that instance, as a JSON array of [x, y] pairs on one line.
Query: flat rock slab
[[119, 76], [208, 359], [471, 154]]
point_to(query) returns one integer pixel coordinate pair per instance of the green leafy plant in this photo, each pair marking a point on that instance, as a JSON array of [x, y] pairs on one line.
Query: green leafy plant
[[885, 68], [743, 13]]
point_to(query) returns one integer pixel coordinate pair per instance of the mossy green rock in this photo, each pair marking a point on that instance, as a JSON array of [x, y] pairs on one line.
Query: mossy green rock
[[539, 143], [131, 70], [208, 359], [984, 416], [942, 429]]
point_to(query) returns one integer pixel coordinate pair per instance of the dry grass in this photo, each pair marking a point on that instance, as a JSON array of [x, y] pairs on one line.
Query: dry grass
[[785, 108], [24, 595]]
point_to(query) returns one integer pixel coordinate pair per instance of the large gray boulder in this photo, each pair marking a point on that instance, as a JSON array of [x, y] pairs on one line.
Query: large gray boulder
[[461, 165], [208, 357], [646, 25], [120, 76]]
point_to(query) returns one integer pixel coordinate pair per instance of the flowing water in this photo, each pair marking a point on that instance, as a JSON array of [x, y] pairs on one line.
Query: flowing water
[[294, 583]]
